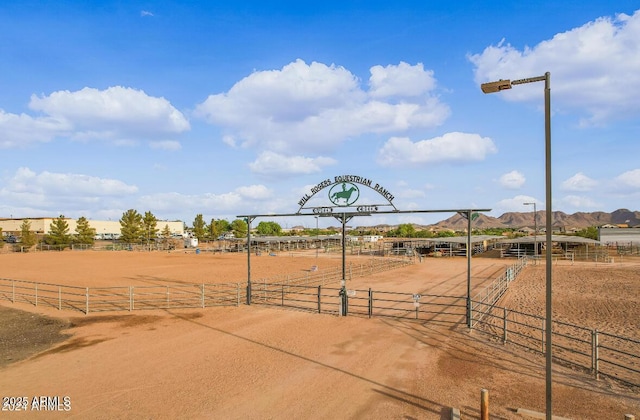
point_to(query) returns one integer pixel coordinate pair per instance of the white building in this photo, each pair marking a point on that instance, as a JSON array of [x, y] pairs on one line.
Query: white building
[[104, 228]]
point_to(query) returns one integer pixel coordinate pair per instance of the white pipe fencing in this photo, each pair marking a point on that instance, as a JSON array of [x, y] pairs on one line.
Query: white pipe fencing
[[124, 298]]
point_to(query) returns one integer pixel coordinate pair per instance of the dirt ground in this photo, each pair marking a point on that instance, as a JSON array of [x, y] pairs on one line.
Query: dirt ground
[[254, 362]]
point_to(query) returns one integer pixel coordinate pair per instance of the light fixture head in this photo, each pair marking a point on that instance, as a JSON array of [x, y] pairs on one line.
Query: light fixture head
[[493, 87]]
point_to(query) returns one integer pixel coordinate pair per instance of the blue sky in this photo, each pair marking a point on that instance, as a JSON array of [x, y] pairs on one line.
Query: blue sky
[[230, 108]]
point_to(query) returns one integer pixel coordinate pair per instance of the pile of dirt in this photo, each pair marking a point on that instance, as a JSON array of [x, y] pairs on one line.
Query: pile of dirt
[[23, 334]]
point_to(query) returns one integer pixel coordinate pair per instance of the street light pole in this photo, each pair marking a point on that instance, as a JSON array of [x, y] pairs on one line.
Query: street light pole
[[497, 86], [535, 228]]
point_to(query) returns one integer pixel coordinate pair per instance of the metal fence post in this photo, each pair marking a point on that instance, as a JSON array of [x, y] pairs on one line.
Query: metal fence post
[[319, 299], [595, 351], [504, 326], [370, 303]]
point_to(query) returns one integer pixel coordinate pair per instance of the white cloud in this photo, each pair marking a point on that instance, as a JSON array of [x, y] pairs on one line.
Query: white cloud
[[410, 194], [578, 202], [401, 80], [49, 192], [165, 145], [254, 192], [515, 204], [594, 68], [512, 180], [202, 203], [309, 108], [251, 198], [117, 113], [629, 179], [26, 180], [276, 164], [450, 147], [145, 13], [579, 182], [23, 130]]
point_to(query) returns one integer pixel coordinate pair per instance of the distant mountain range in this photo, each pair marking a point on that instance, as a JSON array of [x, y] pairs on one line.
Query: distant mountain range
[[559, 219]]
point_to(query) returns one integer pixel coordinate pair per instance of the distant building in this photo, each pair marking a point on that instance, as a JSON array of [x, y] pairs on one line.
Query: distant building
[[615, 235], [104, 228]]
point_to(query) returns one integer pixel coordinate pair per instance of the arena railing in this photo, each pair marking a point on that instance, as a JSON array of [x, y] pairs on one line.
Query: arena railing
[[598, 353], [124, 298]]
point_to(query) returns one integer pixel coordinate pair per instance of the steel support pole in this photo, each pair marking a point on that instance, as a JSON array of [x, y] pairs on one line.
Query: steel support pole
[[547, 135], [469, 322], [248, 261]]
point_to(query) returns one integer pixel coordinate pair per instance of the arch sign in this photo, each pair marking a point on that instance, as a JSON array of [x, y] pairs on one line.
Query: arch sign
[[346, 194]]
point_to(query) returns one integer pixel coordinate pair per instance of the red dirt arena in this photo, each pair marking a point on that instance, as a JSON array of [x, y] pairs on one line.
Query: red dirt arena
[[258, 362]]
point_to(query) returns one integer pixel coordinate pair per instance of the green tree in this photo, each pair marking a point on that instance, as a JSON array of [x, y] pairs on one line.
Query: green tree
[[58, 232], [239, 228], [424, 234], [269, 229], [149, 227], [199, 227], [405, 230], [445, 234], [166, 232], [131, 230], [590, 232], [85, 234], [218, 227], [166, 236], [29, 238]]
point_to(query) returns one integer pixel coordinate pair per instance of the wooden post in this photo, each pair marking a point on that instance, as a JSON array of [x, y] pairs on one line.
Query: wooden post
[[484, 404]]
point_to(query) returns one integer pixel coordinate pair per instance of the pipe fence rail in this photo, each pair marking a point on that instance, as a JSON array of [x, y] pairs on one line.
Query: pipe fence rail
[[315, 277], [492, 293], [124, 298], [594, 352], [363, 302]]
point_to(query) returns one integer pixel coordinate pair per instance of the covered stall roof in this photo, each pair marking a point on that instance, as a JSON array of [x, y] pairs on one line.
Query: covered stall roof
[[554, 238]]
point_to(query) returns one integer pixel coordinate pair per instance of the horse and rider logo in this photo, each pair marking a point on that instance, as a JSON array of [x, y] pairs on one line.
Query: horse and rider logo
[[344, 194]]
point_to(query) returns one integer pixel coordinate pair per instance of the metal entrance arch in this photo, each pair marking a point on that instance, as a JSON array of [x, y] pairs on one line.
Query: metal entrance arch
[[344, 217]]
